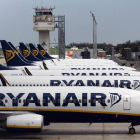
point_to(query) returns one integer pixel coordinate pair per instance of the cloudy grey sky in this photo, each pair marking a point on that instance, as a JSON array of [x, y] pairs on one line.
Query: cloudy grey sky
[[118, 20]]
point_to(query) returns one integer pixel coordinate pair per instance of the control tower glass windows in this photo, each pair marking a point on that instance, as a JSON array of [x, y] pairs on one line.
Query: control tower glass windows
[[38, 13], [47, 13]]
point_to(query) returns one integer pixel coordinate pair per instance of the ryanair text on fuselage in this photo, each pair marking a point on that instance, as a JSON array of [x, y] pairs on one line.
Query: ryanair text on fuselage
[[96, 74], [103, 83], [58, 100]]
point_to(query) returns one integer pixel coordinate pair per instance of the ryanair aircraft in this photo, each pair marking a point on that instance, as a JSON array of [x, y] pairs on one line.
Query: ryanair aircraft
[[77, 62], [13, 58], [31, 108], [7, 71], [84, 73], [108, 81]]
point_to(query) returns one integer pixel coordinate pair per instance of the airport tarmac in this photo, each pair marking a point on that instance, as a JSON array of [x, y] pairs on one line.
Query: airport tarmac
[[76, 131]]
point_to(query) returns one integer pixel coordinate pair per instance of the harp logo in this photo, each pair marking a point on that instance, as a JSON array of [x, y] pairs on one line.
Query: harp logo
[[136, 84], [115, 98], [42, 52], [16, 52], [26, 53], [35, 52], [9, 55]]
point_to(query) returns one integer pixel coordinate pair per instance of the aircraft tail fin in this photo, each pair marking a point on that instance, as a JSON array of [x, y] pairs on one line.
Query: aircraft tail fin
[[19, 53], [4, 81], [44, 53], [27, 54], [36, 52], [11, 57]]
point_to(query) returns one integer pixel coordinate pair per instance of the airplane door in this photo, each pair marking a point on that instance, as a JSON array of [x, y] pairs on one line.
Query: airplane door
[[126, 102], [6, 102]]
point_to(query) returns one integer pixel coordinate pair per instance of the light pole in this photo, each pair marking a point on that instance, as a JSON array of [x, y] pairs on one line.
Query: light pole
[[94, 36], [55, 46]]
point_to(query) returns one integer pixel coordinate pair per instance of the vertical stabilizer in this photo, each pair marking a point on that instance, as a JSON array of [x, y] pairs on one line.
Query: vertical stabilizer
[[27, 54], [19, 53], [44, 53], [11, 57], [36, 53]]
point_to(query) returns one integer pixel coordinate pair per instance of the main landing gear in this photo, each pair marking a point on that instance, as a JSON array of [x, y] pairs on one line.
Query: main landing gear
[[131, 129]]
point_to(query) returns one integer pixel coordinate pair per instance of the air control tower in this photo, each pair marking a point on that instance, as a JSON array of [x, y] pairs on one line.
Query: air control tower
[[44, 22]]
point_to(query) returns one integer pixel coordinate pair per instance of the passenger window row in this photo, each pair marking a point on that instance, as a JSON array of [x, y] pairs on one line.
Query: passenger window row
[[60, 85], [58, 101]]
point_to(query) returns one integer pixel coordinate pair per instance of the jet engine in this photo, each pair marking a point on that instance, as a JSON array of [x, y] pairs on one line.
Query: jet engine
[[25, 122]]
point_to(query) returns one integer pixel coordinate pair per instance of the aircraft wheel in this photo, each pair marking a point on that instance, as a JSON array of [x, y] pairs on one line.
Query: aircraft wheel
[[132, 130]]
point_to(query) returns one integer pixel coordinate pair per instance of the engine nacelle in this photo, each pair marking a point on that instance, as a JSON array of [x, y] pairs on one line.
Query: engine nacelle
[[27, 122]]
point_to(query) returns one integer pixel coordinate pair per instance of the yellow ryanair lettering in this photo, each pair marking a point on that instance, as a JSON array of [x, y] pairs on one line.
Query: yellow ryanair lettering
[[26, 53], [9, 55], [42, 52], [35, 52]]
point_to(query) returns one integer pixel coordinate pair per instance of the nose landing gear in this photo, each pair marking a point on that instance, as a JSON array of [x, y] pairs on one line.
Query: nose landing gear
[[131, 128]]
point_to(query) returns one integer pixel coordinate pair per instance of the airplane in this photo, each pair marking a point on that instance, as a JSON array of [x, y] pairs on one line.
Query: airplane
[[90, 68], [108, 81], [12, 46], [84, 73], [8, 71], [44, 53], [31, 108], [13, 59], [100, 64], [37, 54], [71, 67]]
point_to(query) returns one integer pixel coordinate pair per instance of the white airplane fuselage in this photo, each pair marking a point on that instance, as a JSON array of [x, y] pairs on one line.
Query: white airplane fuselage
[[23, 72], [90, 68], [98, 81], [58, 104]]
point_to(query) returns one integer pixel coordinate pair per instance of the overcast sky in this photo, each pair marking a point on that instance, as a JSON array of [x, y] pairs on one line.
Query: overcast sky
[[118, 20]]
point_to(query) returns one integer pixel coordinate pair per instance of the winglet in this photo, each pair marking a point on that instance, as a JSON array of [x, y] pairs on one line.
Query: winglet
[[28, 72], [45, 67], [4, 81]]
